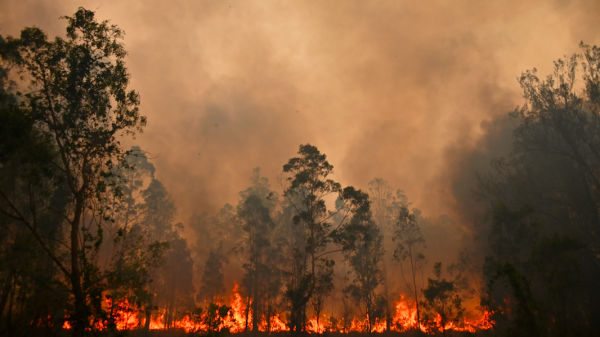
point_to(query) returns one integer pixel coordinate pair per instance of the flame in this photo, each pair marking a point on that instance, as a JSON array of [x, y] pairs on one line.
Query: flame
[[314, 327], [237, 312], [405, 318], [125, 315]]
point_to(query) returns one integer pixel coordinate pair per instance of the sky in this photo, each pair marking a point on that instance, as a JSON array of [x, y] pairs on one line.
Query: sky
[[414, 92]]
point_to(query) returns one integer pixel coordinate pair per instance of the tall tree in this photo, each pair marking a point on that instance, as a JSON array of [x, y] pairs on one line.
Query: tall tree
[[31, 287], [385, 206], [363, 250], [132, 256], [410, 244], [78, 94], [256, 223], [551, 174], [306, 191], [212, 283], [172, 281]]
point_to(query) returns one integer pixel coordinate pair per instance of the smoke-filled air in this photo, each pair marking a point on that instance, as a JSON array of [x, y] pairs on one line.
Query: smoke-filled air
[[288, 168]]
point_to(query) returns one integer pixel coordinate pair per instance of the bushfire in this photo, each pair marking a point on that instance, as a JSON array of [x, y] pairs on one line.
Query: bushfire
[[238, 319]]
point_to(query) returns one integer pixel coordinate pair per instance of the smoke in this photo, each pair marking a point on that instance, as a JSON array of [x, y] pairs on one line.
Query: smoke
[[412, 92]]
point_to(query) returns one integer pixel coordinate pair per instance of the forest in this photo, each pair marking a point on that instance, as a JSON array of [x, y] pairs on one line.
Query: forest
[[91, 244]]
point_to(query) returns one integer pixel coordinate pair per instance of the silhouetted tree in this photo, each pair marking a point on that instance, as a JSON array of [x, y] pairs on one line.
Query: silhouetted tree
[[306, 191], [172, 281], [322, 290], [408, 253], [256, 223], [78, 95], [385, 206], [362, 247], [212, 284], [552, 172]]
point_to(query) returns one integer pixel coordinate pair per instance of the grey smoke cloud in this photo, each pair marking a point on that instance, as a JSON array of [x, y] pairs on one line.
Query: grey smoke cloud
[[403, 90]]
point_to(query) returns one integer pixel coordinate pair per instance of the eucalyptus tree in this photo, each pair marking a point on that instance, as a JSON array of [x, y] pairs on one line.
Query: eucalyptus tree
[[385, 206], [132, 256], [363, 250], [170, 284], [212, 283], [79, 98], [306, 191], [256, 223], [31, 287], [255, 213], [409, 252], [551, 175]]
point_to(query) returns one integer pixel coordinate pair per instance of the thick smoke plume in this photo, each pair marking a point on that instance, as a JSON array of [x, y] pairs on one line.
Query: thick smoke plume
[[399, 90]]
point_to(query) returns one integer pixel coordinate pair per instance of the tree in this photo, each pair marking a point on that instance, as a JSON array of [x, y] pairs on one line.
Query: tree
[[255, 212], [364, 255], [525, 309], [218, 233], [361, 243], [410, 242], [31, 287], [553, 166], [306, 191], [535, 277], [212, 284], [256, 223], [172, 281], [324, 285], [557, 141], [79, 97], [132, 257], [557, 262], [442, 300], [385, 207]]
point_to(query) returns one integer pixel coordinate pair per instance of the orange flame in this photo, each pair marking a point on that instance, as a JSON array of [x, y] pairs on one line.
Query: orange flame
[[405, 318]]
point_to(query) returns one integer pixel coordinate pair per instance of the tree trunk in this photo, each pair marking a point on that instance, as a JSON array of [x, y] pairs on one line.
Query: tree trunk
[[4, 296], [318, 312], [255, 314], [247, 315], [148, 315], [10, 307], [386, 292], [80, 316], [269, 316]]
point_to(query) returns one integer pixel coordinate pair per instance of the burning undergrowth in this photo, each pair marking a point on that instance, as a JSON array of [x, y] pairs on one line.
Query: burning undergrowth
[[235, 318]]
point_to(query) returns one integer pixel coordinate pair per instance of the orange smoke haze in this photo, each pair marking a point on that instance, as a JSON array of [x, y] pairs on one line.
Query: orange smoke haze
[[392, 89]]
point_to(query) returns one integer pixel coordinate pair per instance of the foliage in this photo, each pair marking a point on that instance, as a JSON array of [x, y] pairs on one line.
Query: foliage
[[79, 98], [212, 284], [306, 191], [551, 176], [212, 319], [442, 301]]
